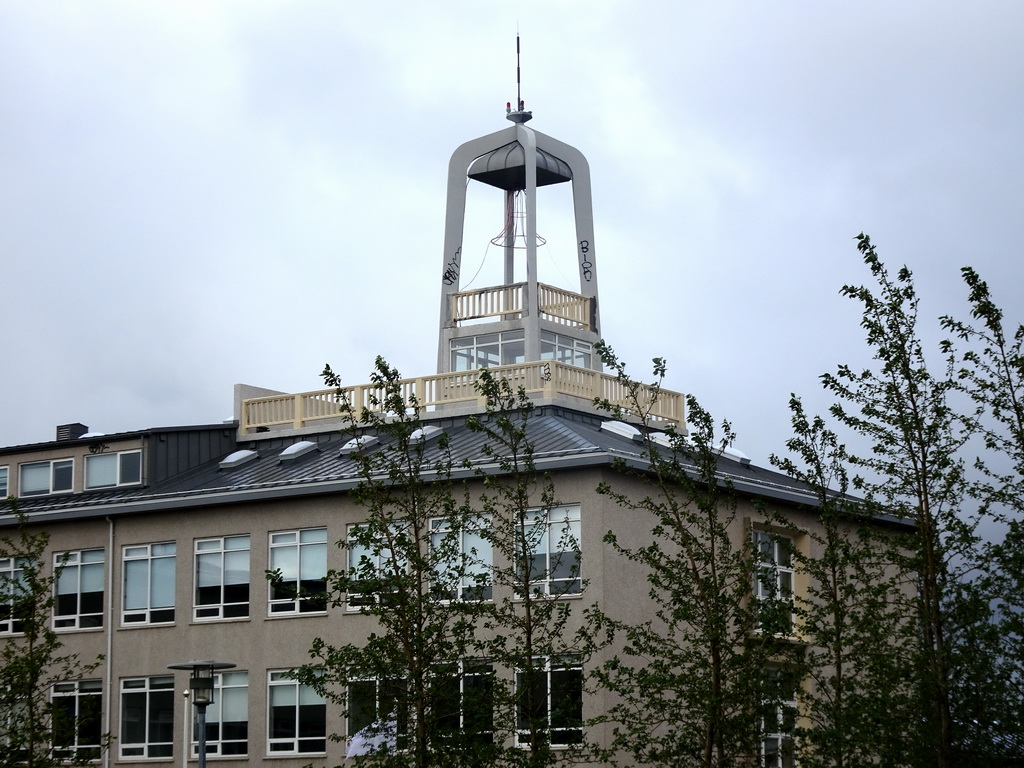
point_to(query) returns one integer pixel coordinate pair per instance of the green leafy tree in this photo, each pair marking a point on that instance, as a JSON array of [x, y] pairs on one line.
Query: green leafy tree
[[858, 690], [697, 684], [35, 731]]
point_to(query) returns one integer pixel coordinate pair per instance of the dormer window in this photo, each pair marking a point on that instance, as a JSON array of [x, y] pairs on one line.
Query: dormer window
[[43, 477], [110, 470]]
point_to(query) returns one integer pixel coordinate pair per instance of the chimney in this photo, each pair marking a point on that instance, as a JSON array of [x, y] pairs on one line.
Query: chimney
[[71, 431]]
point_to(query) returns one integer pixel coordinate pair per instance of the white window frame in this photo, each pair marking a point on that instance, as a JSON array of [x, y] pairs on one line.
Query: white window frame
[[461, 673], [12, 584], [546, 531], [379, 557], [777, 725], [558, 735], [302, 695], [292, 600], [75, 568], [565, 349], [54, 466], [509, 349], [221, 552], [151, 687], [119, 472], [230, 689], [84, 694], [775, 575], [474, 558], [150, 554], [5, 482]]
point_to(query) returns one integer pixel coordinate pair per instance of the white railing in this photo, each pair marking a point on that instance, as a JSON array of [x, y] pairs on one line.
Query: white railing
[[507, 302], [545, 379]]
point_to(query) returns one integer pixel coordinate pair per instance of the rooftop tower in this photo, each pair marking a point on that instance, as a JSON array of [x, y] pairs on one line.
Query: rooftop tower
[[523, 319]]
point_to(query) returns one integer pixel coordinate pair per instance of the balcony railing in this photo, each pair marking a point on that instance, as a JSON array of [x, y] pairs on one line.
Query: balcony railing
[[507, 302], [544, 379]]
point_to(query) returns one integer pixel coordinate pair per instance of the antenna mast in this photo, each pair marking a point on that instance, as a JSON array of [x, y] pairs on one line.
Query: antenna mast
[[518, 114]]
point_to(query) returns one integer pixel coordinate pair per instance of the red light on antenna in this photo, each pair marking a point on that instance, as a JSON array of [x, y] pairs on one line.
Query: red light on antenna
[[521, 105], [508, 106]]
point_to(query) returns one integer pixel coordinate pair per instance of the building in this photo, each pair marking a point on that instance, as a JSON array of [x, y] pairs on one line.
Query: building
[[166, 533]]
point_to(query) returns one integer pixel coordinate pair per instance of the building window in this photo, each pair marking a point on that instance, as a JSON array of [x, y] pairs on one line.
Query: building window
[[14, 598], [297, 718], [3, 483], [463, 699], [374, 562], [43, 477], [553, 539], [489, 349], [222, 578], [550, 701], [227, 719], [773, 582], [298, 561], [149, 584], [375, 712], [79, 603], [108, 470], [147, 717], [467, 553], [778, 721], [565, 349], [76, 720]]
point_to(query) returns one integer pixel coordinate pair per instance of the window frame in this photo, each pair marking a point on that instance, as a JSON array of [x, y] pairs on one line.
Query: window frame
[[151, 614], [5, 482], [775, 576], [474, 583], [222, 609], [75, 562], [571, 730], [509, 348], [474, 690], [77, 692], [154, 689], [559, 346], [378, 556], [12, 582], [537, 529], [778, 721], [297, 600], [55, 466], [317, 743], [216, 742], [119, 480]]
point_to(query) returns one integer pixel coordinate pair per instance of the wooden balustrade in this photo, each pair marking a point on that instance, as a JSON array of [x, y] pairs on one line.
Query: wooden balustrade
[[508, 302], [545, 379]]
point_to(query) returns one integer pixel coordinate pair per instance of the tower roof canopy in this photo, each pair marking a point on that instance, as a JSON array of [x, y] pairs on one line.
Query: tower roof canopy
[[505, 168]]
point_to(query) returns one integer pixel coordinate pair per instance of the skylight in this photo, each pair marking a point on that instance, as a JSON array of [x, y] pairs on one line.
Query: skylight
[[622, 429], [238, 458], [425, 434], [295, 450], [358, 444]]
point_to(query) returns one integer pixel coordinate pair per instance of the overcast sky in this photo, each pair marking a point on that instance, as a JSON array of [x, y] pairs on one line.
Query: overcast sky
[[194, 194]]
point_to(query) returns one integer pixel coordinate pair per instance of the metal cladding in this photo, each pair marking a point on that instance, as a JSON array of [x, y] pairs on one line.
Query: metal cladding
[[505, 168]]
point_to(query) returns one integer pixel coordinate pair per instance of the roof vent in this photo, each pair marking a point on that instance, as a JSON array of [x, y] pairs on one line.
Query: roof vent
[[238, 458], [622, 429], [295, 450], [425, 434], [71, 431], [358, 444]]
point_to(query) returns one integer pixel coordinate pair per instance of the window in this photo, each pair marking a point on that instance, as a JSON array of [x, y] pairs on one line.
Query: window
[[778, 721], [147, 717], [14, 598], [108, 470], [149, 584], [79, 603], [464, 560], [3, 483], [42, 477], [222, 578], [76, 720], [376, 709], [227, 719], [773, 582], [565, 349], [297, 720], [553, 540], [463, 699], [298, 560], [489, 349], [550, 701], [373, 560]]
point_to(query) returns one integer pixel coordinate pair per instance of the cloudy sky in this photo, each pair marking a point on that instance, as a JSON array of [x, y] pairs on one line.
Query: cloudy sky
[[194, 194]]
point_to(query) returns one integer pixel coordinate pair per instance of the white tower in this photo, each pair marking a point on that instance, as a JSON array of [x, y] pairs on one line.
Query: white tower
[[528, 320]]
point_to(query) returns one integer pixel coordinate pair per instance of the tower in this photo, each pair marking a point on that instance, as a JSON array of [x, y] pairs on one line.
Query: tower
[[523, 319]]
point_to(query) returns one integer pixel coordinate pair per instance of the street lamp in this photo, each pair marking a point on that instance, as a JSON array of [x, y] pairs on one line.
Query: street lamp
[[201, 686]]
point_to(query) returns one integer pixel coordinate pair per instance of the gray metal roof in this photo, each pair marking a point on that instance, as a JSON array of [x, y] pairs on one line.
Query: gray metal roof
[[505, 168]]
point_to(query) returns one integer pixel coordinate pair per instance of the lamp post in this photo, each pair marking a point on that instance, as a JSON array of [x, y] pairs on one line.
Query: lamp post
[[201, 687]]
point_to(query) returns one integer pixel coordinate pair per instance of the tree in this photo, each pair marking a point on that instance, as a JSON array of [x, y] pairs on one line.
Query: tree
[[915, 470], [37, 731], [858, 690], [696, 684]]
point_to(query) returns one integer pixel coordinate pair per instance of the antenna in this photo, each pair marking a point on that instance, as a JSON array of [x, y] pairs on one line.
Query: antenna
[[519, 90], [518, 114]]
